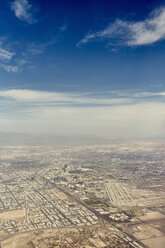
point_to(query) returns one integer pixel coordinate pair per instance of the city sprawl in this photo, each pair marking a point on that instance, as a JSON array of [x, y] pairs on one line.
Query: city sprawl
[[110, 195]]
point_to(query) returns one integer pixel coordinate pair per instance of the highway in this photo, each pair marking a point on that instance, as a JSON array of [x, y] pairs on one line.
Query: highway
[[103, 217]]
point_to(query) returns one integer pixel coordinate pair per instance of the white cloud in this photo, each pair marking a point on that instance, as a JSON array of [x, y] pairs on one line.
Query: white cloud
[[111, 98], [9, 68], [148, 94], [131, 33], [22, 10], [56, 97], [5, 55]]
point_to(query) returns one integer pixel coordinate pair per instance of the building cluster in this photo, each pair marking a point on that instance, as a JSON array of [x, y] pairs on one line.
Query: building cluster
[[76, 188], [119, 217], [43, 205]]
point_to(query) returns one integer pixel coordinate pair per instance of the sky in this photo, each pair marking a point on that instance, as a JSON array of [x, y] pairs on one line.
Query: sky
[[83, 68]]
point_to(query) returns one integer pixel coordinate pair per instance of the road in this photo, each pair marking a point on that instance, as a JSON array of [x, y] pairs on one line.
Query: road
[[24, 223], [103, 217]]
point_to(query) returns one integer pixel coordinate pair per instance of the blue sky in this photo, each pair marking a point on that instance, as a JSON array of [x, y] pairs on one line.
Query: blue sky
[[83, 67]]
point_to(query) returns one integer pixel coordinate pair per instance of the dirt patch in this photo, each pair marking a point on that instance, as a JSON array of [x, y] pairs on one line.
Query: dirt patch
[[152, 216], [147, 232], [14, 215], [155, 242]]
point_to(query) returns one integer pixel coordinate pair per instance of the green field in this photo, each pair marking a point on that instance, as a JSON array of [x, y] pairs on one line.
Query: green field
[[93, 202]]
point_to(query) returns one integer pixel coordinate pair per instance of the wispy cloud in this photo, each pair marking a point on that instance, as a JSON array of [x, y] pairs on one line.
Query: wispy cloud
[[6, 57], [5, 54], [35, 49], [21, 62], [139, 94], [9, 68], [14, 61], [63, 28], [56, 98], [131, 33], [31, 96], [39, 48], [22, 10]]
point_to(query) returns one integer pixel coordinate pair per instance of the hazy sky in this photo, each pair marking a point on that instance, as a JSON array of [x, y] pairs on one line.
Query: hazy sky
[[83, 67]]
